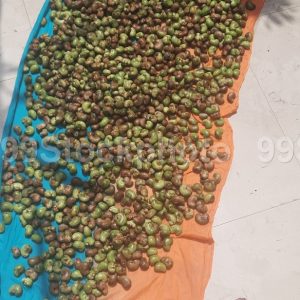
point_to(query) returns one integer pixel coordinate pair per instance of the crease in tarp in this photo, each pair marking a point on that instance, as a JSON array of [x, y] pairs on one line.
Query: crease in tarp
[[192, 251]]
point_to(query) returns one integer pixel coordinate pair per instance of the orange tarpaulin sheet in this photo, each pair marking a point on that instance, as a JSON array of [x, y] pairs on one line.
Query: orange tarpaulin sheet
[[192, 252]]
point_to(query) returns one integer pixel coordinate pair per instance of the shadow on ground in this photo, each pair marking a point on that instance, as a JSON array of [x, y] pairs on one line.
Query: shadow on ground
[[278, 12]]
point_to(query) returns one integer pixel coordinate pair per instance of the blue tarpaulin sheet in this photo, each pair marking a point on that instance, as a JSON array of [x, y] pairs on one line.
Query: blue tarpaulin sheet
[[14, 233]]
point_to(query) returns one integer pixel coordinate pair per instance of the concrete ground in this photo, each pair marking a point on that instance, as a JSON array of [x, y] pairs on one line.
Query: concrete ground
[[256, 230]]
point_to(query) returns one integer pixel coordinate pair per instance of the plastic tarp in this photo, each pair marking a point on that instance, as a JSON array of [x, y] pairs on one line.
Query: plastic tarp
[[192, 251]]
